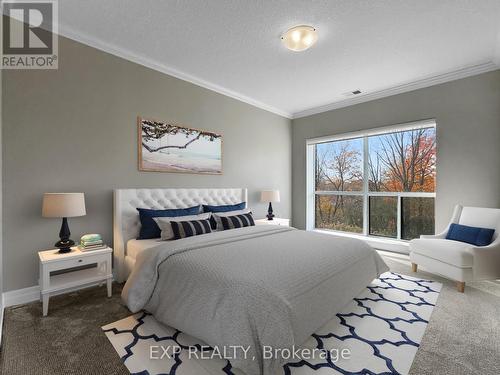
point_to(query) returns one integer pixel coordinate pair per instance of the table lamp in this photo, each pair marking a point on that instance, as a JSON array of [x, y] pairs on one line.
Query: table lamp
[[270, 196], [63, 205]]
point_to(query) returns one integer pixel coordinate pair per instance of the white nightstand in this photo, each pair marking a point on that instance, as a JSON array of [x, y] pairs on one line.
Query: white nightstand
[[275, 221], [51, 261]]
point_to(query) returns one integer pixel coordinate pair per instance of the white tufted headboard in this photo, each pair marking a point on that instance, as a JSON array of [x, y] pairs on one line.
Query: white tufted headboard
[[126, 222]]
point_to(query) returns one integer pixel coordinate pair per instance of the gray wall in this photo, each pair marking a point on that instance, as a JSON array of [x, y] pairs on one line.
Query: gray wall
[[1, 193], [467, 113], [74, 129]]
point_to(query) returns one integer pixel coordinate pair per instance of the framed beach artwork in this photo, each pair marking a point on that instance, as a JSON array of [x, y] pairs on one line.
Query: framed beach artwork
[[167, 147]]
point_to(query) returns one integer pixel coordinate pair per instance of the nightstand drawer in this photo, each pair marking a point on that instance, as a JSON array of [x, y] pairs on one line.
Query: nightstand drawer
[[77, 261]]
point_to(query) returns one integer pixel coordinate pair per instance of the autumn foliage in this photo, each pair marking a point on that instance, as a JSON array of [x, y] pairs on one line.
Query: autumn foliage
[[408, 162], [396, 162]]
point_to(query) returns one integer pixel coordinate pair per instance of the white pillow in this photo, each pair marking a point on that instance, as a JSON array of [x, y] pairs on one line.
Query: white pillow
[[166, 228], [217, 215]]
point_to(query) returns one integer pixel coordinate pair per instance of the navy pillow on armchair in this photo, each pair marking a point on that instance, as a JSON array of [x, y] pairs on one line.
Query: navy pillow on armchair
[[149, 229], [472, 235]]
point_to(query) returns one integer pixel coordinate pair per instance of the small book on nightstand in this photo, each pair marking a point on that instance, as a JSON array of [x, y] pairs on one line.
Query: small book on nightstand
[[91, 242], [92, 247]]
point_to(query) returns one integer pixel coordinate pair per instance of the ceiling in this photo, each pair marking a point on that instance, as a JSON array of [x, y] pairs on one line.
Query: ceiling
[[233, 46]]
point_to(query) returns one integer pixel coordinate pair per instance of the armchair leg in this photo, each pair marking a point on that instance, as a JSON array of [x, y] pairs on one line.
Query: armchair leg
[[414, 267], [460, 286]]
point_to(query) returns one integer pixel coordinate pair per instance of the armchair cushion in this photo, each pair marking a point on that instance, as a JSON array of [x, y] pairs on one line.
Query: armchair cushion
[[458, 254], [473, 235]]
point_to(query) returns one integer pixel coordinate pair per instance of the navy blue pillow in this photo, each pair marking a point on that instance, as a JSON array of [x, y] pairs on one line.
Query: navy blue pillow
[[237, 221], [224, 208], [183, 229], [149, 229], [472, 235]]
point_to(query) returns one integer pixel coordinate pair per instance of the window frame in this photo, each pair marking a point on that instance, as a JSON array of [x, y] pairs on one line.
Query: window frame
[[311, 191]]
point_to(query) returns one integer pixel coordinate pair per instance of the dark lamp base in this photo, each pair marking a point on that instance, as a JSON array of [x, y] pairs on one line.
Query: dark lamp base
[[65, 243], [270, 214], [64, 246]]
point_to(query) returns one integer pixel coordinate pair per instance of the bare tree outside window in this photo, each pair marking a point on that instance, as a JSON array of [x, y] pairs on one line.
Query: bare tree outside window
[[404, 161], [400, 171], [339, 167]]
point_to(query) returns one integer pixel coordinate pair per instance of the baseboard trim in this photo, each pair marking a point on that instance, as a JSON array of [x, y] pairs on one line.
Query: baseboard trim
[[20, 296], [32, 293]]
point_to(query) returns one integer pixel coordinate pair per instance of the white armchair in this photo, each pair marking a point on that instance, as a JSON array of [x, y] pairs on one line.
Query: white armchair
[[461, 261]]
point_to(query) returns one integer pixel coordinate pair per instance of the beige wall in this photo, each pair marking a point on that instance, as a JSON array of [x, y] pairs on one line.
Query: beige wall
[[74, 129], [467, 113]]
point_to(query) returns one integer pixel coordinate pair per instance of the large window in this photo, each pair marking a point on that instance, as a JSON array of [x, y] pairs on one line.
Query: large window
[[379, 183]]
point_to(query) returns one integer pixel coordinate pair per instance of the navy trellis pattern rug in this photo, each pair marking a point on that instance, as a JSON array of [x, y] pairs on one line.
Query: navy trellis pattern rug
[[381, 330]]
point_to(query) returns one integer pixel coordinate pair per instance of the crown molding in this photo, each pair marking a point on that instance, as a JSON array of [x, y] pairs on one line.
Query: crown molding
[[70, 33], [406, 87], [472, 70]]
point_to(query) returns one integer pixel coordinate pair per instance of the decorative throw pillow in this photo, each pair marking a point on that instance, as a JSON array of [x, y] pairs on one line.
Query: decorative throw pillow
[[183, 229], [215, 218], [236, 221], [472, 235], [165, 223], [223, 208], [149, 229]]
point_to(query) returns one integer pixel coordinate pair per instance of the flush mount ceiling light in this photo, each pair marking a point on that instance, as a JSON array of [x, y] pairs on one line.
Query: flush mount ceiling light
[[300, 38]]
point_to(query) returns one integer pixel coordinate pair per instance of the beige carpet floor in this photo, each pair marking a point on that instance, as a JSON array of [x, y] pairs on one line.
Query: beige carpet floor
[[463, 336]]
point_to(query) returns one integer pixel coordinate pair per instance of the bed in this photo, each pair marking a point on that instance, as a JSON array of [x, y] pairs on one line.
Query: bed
[[256, 287], [126, 222]]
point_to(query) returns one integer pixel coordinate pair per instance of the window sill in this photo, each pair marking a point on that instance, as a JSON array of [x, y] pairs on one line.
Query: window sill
[[387, 244]]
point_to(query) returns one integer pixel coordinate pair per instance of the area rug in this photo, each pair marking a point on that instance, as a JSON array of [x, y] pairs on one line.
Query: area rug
[[379, 332]]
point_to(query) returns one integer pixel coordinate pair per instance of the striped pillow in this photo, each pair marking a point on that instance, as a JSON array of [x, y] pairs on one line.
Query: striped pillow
[[183, 229], [236, 221]]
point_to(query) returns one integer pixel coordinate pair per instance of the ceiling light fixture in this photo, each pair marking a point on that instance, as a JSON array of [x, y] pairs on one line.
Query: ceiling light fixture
[[300, 38]]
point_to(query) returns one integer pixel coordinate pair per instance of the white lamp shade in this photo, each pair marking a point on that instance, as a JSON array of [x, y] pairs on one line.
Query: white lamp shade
[[270, 196], [63, 205]]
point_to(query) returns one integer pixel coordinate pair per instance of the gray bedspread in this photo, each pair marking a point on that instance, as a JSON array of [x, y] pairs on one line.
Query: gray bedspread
[[256, 286]]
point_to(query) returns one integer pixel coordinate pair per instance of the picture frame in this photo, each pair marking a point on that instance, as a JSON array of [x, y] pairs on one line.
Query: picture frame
[[173, 148]]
